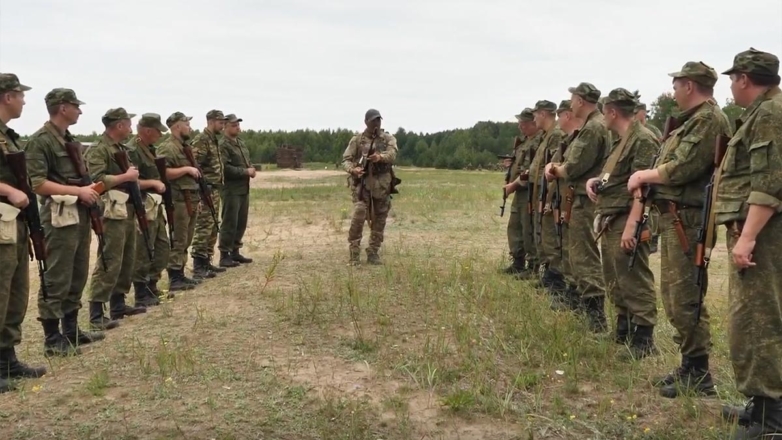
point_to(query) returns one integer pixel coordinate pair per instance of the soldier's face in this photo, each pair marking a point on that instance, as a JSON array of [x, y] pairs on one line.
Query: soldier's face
[[374, 124], [640, 116], [738, 85], [71, 113], [609, 117], [15, 103], [681, 92], [538, 119], [575, 103], [232, 129], [564, 120], [219, 126]]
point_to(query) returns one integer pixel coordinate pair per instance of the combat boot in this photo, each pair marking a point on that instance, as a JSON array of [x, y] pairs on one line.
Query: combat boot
[[355, 257], [642, 343], [696, 380], [11, 368], [54, 344], [6, 386], [177, 281], [373, 258], [76, 336], [765, 420], [201, 269], [558, 291], [143, 296], [152, 286], [212, 268], [623, 333], [738, 414], [119, 310], [675, 375], [594, 308], [226, 260], [516, 268], [239, 258], [98, 320]]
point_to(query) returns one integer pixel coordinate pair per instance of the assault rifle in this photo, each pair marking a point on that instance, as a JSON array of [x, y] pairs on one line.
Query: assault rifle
[[530, 192], [366, 165], [168, 198], [134, 191], [542, 195], [203, 188], [516, 143], [74, 150], [18, 164]]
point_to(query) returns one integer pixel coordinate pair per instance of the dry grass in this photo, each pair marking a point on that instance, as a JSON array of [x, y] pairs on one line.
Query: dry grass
[[435, 344]]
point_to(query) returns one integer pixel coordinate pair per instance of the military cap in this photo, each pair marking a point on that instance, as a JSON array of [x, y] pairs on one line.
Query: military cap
[[621, 98], [10, 83], [62, 96], [177, 117], [215, 115], [525, 115], [371, 115], [697, 71], [755, 61], [117, 114], [564, 106], [152, 120], [586, 90], [232, 118], [545, 105], [640, 106]]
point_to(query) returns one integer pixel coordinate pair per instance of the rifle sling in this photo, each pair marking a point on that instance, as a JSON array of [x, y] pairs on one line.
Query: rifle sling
[[617, 153]]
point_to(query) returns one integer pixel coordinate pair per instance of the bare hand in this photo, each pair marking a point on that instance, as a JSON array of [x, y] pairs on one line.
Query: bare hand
[[18, 198], [375, 157], [742, 253], [87, 195], [635, 181], [509, 188], [628, 236], [549, 172], [507, 163], [132, 174], [193, 171], [590, 188], [159, 187], [251, 172], [358, 171]]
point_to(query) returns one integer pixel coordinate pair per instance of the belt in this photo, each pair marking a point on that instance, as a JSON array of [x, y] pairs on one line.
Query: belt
[[667, 206]]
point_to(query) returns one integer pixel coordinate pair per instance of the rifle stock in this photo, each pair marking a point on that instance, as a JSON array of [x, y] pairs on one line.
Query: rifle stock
[[645, 200], [168, 198], [542, 195], [203, 188], [138, 202]]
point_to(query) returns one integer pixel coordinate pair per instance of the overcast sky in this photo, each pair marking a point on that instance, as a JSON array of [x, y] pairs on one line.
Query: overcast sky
[[427, 65]]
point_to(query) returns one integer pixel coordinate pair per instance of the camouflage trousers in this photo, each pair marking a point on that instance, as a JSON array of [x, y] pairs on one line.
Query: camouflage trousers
[[583, 254], [206, 230], [677, 285], [381, 206], [515, 229], [68, 264], [528, 230], [144, 270], [120, 254], [184, 227], [754, 315], [233, 223], [631, 291], [14, 285]]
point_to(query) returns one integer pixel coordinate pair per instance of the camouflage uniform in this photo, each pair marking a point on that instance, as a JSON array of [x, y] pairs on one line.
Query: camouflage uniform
[[236, 195], [184, 191], [112, 282], [66, 224], [514, 228], [583, 160], [206, 151], [685, 167], [146, 274], [14, 265], [654, 216], [524, 160], [377, 186], [651, 127], [631, 291], [752, 175]]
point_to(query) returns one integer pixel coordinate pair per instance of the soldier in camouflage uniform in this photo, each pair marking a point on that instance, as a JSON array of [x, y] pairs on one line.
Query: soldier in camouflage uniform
[[206, 150], [371, 189], [66, 222], [748, 204], [141, 149], [111, 283], [584, 160], [520, 235], [184, 190], [236, 192], [684, 169], [14, 265], [631, 291], [640, 116]]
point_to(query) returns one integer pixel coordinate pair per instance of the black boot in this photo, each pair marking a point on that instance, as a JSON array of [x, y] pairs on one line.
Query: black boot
[[558, 291], [675, 375], [765, 420], [119, 310], [54, 344], [642, 343], [143, 296], [738, 414], [201, 269], [594, 308], [697, 380], [623, 333], [6, 385], [98, 320], [152, 286], [11, 368], [177, 282], [516, 268], [226, 260], [373, 258], [239, 258], [213, 268], [76, 336]]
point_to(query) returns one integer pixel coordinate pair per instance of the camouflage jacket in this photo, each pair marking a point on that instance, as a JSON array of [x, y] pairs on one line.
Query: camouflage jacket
[[687, 156], [752, 166], [636, 154], [236, 160], [144, 158], [206, 151], [550, 141], [101, 163], [586, 154], [379, 180], [524, 157], [171, 148], [7, 145], [47, 158], [655, 131]]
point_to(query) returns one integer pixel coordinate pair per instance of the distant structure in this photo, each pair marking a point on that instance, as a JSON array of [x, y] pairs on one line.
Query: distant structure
[[289, 156]]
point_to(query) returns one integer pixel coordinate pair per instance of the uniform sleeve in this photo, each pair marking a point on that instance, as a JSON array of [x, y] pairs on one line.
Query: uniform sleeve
[[349, 154], [646, 148], [583, 153], [200, 148], [165, 151], [389, 156], [97, 163], [694, 155], [766, 162], [232, 172], [38, 161]]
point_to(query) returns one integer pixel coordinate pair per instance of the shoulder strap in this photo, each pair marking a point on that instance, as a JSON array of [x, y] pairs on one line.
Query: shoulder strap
[[613, 159], [48, 126]]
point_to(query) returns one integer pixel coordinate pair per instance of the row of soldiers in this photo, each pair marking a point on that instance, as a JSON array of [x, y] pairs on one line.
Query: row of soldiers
[[587, 180], [145, 204]]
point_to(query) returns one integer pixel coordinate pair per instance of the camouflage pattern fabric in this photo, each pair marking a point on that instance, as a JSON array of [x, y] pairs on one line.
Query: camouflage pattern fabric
[[547, 251], [205, 235], [208, 155], [182, 189]]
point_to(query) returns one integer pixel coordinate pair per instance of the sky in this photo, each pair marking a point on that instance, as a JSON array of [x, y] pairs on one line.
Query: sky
[[426, 65]]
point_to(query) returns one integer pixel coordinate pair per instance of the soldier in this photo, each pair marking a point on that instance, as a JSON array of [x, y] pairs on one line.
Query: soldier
[[206, 151], [112, 282], [640, 116], [631, 291], [236, 192], [584, 159], [14, 265], [748, 200], [66, 226], [141, 149], [368, 158], [184, 190], [520, 236], [684, 169]]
